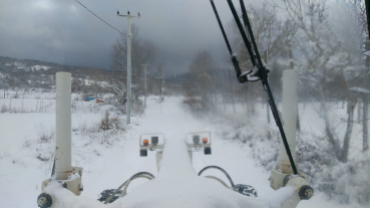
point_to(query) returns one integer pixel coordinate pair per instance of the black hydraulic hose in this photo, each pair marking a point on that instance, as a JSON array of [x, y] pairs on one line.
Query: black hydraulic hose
[[124, 183], [53, 170], [262, 73], [222, 170], [140, 173]]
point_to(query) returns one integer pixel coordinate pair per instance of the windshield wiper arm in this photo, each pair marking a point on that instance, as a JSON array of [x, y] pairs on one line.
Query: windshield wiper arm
[[241, 76], [259, 72]]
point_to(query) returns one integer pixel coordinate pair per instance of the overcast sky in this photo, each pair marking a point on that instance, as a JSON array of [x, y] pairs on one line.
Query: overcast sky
[[64, 32]]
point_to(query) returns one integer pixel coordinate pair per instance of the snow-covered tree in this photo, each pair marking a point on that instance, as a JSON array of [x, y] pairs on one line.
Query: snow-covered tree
[[327, 56]]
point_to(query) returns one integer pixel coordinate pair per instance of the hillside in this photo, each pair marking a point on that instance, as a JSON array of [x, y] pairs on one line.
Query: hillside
[[26, 73], [29, 66]]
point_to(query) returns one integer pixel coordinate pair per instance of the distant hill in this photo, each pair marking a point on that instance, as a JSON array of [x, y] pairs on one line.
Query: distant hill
[[26, 73], [27, 66]]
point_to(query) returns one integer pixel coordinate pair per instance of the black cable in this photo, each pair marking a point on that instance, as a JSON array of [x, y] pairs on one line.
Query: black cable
[[222, 170], [100, 18]]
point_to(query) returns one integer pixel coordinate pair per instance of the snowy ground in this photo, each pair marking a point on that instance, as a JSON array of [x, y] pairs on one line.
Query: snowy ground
[[110, 158]]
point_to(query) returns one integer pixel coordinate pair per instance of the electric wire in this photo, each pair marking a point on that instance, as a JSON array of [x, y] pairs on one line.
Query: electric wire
[[100, 18], [135, 5]]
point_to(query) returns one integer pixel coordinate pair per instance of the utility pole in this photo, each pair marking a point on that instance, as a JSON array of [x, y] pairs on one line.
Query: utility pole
[[129, 37], [160, 77], [145, 82]]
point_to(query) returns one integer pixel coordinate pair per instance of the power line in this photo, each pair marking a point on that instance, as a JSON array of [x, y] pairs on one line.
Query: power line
[[100, 18]]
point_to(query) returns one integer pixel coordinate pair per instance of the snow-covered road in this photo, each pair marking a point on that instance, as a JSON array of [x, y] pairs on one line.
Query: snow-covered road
[[106, 166], [171, 119]]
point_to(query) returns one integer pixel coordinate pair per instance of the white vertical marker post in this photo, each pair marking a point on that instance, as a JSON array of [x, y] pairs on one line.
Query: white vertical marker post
[[63, 147], [289, 113]]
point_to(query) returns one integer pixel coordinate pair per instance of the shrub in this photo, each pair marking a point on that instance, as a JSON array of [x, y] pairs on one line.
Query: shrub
[[108, 123], [27, 143], [192, 102], [46, 137], [4, 109]]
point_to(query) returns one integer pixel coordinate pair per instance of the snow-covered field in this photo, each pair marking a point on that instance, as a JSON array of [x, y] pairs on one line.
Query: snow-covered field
[[111, 157]]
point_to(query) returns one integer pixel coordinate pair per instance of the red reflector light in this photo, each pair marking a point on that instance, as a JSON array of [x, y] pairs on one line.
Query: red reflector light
[[146, 142], [205, 140]]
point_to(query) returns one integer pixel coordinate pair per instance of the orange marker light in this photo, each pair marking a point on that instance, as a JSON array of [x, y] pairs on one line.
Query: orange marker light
[[146, 142], [205, 140]]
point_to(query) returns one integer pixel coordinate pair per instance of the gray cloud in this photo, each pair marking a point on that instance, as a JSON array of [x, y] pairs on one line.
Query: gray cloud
[[64, 32]]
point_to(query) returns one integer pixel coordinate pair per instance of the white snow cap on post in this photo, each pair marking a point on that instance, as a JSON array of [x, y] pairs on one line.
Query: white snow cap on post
[[289, 111], [63, 159]]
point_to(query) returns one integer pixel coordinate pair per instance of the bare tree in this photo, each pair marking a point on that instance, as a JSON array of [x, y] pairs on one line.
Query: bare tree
[[142, 52], [200, 82], [272, 34], [4, 84], [119, 90]]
